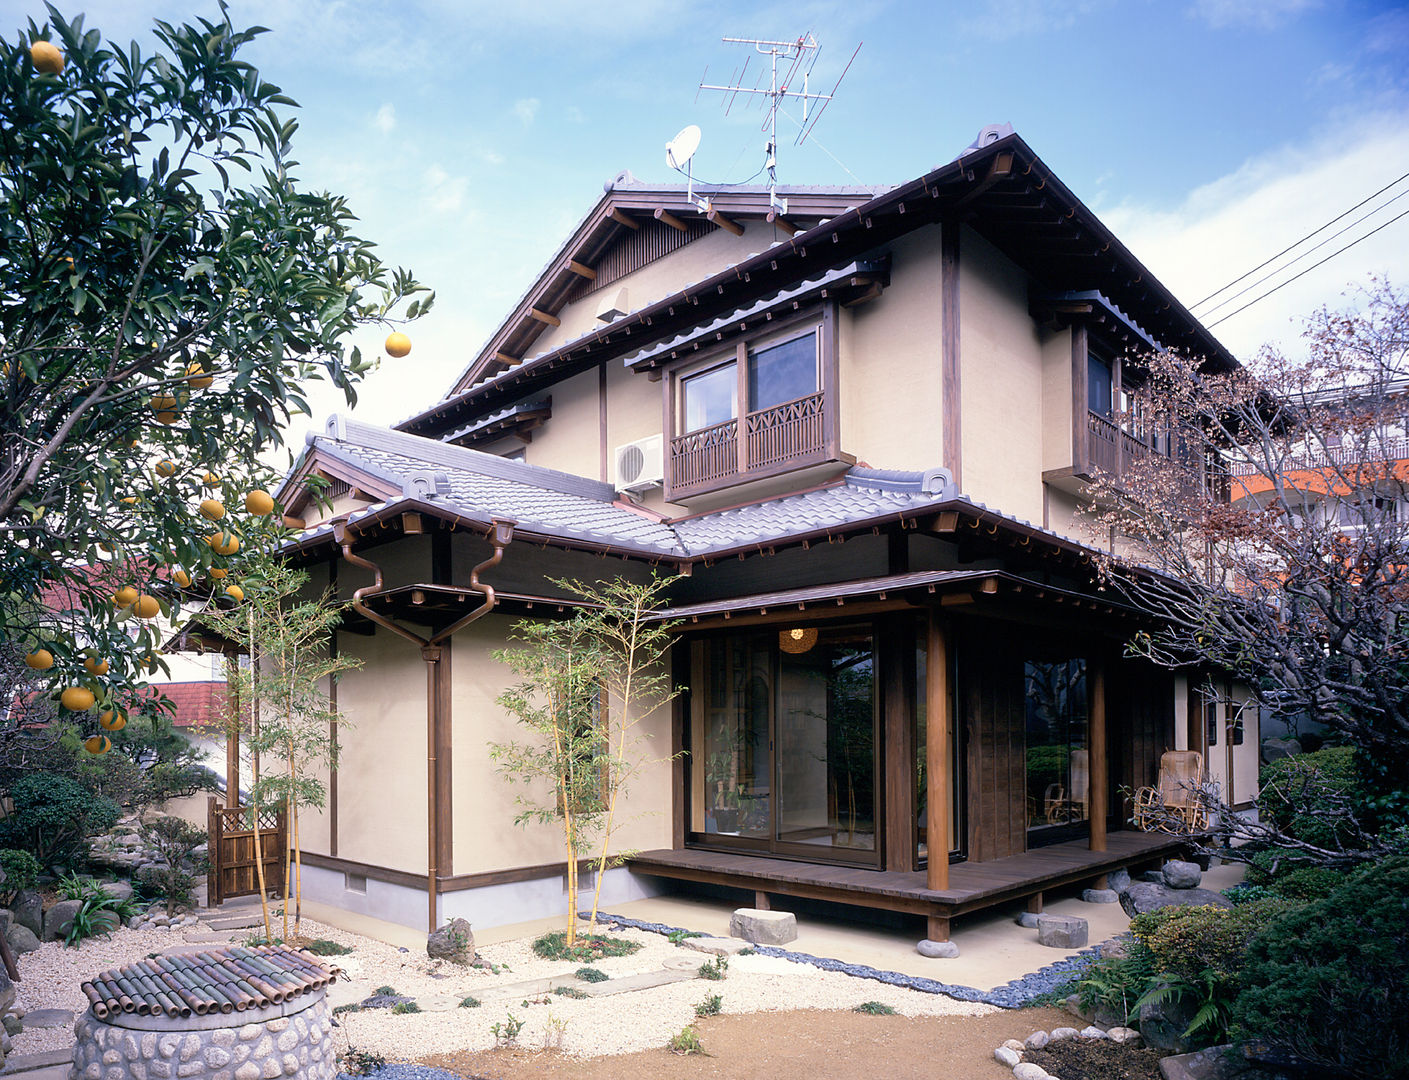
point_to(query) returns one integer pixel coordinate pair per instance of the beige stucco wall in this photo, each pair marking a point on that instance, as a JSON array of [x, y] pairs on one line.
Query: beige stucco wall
[[1001, 354], [1056, 400], [484, 802], [889, 363]]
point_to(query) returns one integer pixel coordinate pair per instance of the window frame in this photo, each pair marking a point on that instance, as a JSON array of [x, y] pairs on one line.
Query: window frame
[[734, 348]]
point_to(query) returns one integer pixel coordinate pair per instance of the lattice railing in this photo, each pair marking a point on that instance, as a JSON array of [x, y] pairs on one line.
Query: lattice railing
[[705, 456], [786, 432]]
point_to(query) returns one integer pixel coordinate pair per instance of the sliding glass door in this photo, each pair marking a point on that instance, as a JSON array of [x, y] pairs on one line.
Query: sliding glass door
[[784, 742], [1058, 761]]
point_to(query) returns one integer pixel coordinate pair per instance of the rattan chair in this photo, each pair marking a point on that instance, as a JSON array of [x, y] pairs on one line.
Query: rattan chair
[[1174, 805]]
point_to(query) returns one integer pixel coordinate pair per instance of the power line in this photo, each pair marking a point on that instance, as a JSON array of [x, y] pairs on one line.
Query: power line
[[1287, 266], [1310, 268], [1304, 239]]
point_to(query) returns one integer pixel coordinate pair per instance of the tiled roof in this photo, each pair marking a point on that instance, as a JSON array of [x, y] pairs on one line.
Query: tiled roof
[[480, 487], [196, 704]]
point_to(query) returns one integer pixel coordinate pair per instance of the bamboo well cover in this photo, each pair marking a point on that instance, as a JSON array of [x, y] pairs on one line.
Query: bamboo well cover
[[219, 981]]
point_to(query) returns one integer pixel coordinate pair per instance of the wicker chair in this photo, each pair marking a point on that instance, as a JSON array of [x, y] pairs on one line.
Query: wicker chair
[[1173, 805]]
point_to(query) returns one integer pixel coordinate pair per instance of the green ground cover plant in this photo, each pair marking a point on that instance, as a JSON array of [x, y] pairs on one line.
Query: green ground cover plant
[[555, 946]]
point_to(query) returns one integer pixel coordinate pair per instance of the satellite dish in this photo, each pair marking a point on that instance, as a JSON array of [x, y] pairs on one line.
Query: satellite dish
[[681, 149]]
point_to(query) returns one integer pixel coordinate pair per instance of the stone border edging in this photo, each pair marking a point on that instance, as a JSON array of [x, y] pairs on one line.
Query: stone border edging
[[1011, 995]]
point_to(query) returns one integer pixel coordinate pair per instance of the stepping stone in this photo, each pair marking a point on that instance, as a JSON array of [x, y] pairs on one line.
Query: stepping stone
[[763, 927], [1061, 932], [47, 1018], [718, 946], [32, 1064], [235, 922], [647, 980]]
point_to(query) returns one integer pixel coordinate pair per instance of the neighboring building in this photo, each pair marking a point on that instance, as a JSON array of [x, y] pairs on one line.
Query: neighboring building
[[838, 424]]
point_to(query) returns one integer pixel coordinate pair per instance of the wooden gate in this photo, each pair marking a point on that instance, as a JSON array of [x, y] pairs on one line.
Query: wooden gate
[[231, 846]]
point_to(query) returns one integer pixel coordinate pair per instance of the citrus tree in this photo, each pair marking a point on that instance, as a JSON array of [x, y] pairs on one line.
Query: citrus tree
[[169, 293]]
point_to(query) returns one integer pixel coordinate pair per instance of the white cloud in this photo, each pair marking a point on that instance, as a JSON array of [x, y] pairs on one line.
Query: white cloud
[[526, 109], [385, 120], [1230, 225], [1258, 14], [443, 193], [491, 157]]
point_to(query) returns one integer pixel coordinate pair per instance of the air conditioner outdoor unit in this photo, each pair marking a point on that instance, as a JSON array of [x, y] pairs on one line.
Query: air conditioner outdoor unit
[[640, 464]]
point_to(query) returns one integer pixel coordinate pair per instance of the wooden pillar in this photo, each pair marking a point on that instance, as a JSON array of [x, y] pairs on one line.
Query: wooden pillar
[[760, 901], [1099, 771], [431, 655], [951, 423], [1080, 401], [937, 762], [897, 666], [333, 738], [1034, 904]]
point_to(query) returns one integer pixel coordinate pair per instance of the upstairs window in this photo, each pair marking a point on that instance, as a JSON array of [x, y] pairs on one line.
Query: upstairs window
[[1099, 385], [783, 372], [711, 397]]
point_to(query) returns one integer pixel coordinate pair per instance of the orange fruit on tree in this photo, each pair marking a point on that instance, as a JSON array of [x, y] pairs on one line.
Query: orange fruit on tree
[[218, 572], [196, 376], [167, 417], [181, 578], [223, 543], [259, 502], [128, 500], [111, 720], [146, 607], [210, 480], [125, 596], [77, 698], [40, 659], [235, 593], [94, 666], [97, 744], [165, 467], [398, 344], [46, 58], [212, 509], [163, 401]]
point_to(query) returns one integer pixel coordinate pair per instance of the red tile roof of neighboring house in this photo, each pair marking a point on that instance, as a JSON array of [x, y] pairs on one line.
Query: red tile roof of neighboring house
[[196, 703]]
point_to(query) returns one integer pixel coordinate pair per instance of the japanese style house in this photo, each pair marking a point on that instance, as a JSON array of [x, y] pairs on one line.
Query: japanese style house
[[860, 430]]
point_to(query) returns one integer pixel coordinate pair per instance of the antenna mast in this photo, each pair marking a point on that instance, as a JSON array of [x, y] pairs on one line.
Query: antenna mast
[[799, 57]]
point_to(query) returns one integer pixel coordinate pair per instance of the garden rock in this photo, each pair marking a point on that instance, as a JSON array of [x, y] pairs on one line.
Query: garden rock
[[58, 920], [453, 941], [118, 890], [1092, 1032], [763, 927], [1146, 896], [1123, 1035], [1058, 1034], [1004, 1056], [1153, 875], [1029, 919], [6, 918], [7, 991], [1100, 896], [1114, 949], [1027, 1070], [1118, 880], [1163, 1023], [22, 939], [1272, 749], [1182, 875], [937, 950], [28, 910], [13, 1025], [1211, 1063], [1062, 932], [1037, 1040]]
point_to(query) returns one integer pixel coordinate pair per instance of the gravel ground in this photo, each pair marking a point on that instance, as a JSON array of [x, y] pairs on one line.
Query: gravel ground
[[605, 1025]]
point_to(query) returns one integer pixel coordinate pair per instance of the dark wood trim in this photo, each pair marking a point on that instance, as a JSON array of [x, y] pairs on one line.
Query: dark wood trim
[[829, 378], [1079, 395], [605, 466], [404, 878], [442, 564], [951, 405], [680, 744], [937, 757], [444, 765], [896, 649], [1098, 781], [456, 883]]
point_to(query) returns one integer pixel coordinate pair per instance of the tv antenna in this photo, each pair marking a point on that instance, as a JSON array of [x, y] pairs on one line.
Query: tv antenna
[[798, 58]]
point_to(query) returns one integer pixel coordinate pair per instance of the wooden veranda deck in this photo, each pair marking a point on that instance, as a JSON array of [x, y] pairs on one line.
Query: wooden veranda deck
[[972, 886]]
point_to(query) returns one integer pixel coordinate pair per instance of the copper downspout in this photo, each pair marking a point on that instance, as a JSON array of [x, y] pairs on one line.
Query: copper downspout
[[500, 536]]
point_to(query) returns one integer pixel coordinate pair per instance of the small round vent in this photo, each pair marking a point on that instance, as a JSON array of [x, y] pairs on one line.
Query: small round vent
[[630, 464]]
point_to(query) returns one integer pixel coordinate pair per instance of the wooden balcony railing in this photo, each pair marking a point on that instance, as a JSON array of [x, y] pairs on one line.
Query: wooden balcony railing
[[786, 436], [1112, 450]]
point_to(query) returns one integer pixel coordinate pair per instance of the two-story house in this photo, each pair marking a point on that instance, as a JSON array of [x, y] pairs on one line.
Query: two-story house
[[860, 430]]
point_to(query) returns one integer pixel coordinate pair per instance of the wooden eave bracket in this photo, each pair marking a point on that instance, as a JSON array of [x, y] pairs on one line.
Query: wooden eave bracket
[[544, 316], [582, 270], [789, 227], [728, 225], [665, 217], [624, 219]]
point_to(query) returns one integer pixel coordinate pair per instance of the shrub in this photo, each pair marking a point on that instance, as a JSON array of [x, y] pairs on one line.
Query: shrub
[[1308, 883], [1305, 793], [469, 1002], [507, 1033], [1115, 983], [51, 814], [875, 1008], [1330, 980], [401, 1008], [22, 870], [1186, 941], [591, 974], [175, 841], [686, 1042], [324, 947], [715, 969], [98, 913], [569, 992], [386, 991], [361, 1062], [710, 1006], [554, 946]]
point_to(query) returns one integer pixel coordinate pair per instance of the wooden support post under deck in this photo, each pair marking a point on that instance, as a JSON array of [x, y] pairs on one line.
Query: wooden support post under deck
[[937, 926], [760, 901], [937, 763], [1034, 904], [1096, 804]]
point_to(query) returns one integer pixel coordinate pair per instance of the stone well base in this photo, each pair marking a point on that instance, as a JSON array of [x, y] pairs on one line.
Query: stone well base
[[291, 1040]]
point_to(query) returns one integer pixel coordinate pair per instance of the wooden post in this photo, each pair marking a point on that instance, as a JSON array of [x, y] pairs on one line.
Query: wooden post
[[760, 900], [1034, 904], [1096, 796], [937, 763], [232, 734], [213, 853]]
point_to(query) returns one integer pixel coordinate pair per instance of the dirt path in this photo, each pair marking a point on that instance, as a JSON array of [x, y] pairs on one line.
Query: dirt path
[[807, 1045]]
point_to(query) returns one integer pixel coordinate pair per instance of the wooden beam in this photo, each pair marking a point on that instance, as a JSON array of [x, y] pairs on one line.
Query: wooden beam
[[291, 522], [505, 359], [956, 599], [775, 218], [544, 317], [623, 219], [582, 270], [938, 766], [897, 664], [1096, 797], [724, 223], [411, 523], [665, 217], [1000, 169], [951, 423]]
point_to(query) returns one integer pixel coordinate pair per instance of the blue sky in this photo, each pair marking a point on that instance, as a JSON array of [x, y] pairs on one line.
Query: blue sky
[[471, 137]]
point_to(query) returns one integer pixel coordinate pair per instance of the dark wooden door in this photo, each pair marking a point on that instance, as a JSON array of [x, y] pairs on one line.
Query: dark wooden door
[[233, 869]]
